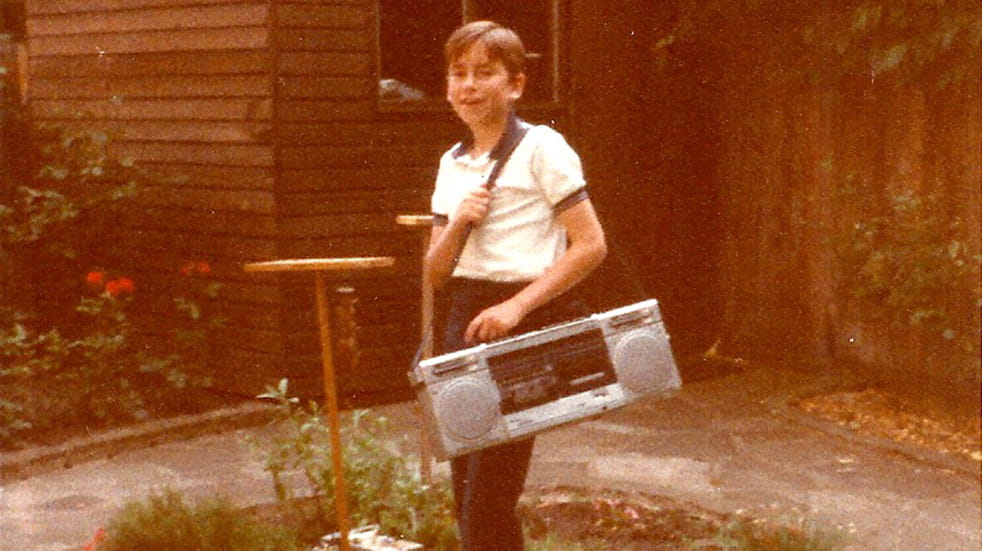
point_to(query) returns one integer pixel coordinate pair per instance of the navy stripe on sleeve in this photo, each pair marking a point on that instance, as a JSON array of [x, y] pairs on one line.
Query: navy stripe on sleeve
[[570, 200]]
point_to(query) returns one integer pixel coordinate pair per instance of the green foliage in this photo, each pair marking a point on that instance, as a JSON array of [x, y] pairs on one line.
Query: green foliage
[[383, 488], [894, 40], [71, 345], [913, 38], [76, 177], [103, 370], [552, 542], [165, 522], [748, 535], [911, 267]]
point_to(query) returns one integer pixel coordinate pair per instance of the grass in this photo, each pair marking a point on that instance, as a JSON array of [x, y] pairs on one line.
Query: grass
[[553, 542], [750, 535]]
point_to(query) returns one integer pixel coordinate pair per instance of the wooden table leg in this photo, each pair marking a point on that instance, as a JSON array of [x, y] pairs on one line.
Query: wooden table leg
[[319, 266], [426, 308], [424, 222], [333, 415]]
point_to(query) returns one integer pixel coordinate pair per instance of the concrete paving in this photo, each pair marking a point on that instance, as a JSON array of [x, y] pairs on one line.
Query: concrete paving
[[729, 444]]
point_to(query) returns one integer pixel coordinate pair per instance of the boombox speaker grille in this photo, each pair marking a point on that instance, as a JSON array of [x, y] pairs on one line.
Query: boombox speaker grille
[[638, 358], [469, 409]]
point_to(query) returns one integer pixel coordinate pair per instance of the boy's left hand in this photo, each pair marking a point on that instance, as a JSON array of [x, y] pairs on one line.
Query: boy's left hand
[[493, 323]]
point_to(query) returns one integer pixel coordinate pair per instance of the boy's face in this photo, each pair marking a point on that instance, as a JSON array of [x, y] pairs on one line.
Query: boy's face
[[480, 89]]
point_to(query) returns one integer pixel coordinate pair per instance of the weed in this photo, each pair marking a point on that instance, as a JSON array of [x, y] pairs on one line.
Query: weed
[[748, 535], [383, 487]]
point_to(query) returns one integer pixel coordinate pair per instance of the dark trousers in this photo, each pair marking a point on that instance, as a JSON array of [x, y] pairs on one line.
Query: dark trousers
[[488, 483]]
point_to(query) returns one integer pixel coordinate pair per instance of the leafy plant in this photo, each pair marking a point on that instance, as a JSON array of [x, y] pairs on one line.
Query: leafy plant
[[165, 522], [747, 535], [383, 488], [104, 368], [894, 41], [552, 542], [100, 348], [910, 267]]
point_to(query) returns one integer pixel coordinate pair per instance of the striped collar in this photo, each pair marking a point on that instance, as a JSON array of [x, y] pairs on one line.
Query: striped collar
[[513, 132]]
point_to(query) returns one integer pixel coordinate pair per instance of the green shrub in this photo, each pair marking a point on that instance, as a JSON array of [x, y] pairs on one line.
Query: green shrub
[[164, 522], [746, 535], [913, 266], [80, 339], [383, 486], [552, 542], [104, 369], [65, 219]]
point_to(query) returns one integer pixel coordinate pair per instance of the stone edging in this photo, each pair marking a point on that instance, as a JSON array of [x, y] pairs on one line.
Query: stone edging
[[26, 463]]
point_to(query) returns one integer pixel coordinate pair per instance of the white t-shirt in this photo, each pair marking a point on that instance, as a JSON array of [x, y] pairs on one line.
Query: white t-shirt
[[520, 238]]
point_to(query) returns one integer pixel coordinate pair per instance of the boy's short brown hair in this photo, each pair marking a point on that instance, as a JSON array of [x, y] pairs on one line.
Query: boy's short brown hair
[[503, 44]]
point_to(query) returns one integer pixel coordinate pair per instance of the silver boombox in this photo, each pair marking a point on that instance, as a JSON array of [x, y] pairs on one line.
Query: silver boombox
[[512, 388]]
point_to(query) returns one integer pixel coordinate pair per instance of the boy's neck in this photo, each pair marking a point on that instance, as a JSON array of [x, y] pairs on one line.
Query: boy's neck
[[486, 136]]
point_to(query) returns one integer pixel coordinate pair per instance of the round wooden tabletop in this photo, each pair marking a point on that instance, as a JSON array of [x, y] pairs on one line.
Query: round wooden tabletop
[[415, 220], [321, 264]]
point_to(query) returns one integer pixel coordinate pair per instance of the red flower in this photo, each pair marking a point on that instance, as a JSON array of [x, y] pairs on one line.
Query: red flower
[[93, 544], [95, 277], [120, 286], [202, 267]]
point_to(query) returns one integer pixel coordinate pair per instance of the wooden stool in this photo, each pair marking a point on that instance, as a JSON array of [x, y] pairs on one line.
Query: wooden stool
[[426, 329], [319, 266]]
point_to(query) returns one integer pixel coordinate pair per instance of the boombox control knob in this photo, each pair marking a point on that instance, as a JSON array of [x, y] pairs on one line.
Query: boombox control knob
[[639, 359], [468, 408]]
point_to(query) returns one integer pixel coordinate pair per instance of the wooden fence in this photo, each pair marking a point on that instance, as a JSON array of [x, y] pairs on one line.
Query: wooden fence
[[827, 186]]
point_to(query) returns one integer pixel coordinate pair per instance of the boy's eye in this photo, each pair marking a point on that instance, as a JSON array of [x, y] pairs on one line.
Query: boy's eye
[[479, 73]]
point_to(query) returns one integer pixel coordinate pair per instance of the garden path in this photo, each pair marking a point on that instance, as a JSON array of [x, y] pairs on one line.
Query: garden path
[[729, 444]]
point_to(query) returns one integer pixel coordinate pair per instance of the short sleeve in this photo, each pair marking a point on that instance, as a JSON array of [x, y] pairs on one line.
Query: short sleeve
[[439, 202], [557, 168]]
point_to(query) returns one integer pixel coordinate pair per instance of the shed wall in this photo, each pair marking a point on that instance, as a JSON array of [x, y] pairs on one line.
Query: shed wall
[[186, 89]]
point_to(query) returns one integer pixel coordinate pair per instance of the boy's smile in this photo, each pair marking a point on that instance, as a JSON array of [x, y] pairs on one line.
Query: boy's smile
[[480, 90]]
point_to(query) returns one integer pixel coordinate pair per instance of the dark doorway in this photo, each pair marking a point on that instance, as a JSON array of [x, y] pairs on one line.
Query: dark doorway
[[646, 126]]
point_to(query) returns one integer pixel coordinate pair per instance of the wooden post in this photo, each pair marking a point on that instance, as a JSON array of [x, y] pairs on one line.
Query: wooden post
[[319, 266], [333, 413], [426, 331]]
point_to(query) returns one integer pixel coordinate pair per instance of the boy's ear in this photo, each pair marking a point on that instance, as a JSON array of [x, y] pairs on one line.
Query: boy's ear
[[517, 86]]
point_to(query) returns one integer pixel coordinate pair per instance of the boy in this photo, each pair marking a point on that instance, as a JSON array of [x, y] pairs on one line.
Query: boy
[[505, 256]]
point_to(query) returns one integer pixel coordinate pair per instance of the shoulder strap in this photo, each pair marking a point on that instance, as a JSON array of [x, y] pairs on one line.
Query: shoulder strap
[[514, 133]]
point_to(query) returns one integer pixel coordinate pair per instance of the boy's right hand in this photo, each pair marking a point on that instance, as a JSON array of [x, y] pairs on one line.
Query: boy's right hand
[[474, 208]]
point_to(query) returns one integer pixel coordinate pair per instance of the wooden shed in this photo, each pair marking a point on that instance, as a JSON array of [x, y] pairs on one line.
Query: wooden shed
[[301, 128], [717, 143]]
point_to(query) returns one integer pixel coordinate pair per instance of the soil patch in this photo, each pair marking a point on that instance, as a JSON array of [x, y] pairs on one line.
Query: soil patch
[[607, 520]]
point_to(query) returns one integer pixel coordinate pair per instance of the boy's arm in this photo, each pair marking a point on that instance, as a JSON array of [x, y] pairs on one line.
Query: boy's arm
[[586, 250]]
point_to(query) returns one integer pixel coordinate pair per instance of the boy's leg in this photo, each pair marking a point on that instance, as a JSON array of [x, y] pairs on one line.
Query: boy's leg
[[487, 485]]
